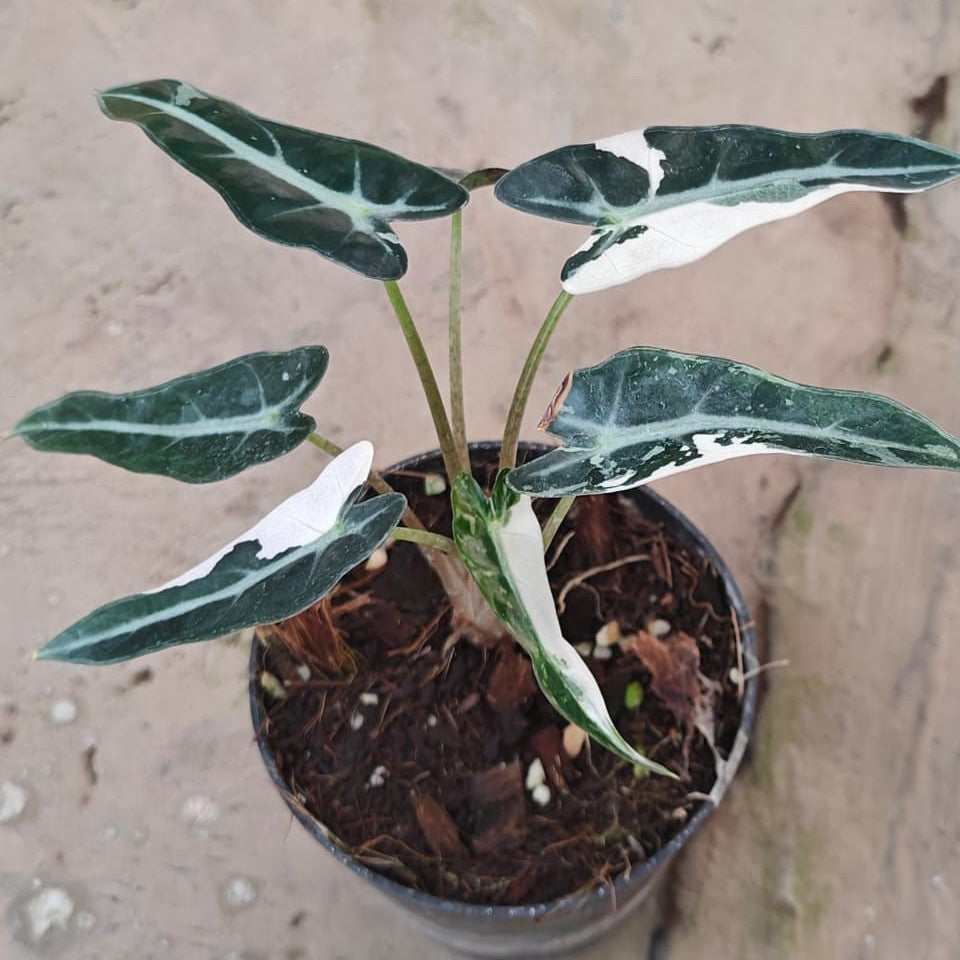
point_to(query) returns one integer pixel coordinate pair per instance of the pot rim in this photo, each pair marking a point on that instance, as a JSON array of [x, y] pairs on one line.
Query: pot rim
[[627, 878]]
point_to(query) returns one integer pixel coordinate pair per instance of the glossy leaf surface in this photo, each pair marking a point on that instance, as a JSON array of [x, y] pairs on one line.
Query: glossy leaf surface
[[199, 428], [291, 185], [288, 561], [500, 542], [645, 413], [666, 196]]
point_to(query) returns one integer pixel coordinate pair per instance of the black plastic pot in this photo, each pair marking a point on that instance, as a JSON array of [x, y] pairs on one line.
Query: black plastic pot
[[558, 925]]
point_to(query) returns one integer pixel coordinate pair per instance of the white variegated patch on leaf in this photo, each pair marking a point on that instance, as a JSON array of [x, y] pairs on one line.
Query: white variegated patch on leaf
[[286, 562], [666, 196], [199, 428], [500, 541], [646, 413], [291, 185]]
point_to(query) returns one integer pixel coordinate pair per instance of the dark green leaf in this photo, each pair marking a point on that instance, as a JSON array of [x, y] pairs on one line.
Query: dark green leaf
[[199, 428], [287, 562], [645, 413], [287, 184], [666, 196]]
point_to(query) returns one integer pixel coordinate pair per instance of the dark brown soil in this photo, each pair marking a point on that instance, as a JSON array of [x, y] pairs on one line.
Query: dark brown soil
[[425, 781]]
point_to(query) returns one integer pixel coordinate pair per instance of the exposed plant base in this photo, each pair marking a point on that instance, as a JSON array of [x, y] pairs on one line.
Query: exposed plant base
[[426, 784]]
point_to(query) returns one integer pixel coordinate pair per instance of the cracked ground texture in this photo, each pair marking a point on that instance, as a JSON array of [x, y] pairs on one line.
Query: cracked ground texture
[[149, 809]]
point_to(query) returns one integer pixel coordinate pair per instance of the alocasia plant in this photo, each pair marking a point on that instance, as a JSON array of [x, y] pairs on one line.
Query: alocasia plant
[[654, 198]]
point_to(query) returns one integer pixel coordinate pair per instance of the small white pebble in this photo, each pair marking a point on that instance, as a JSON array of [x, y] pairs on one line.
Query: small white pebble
[[434, 484], [535, 774], [377, 560], [356, 721], [50, 908], [584, 649], [378, 777], [285, 376], [239, 892], [369, 699], [114, 328], [659, 628], [13, 801], [199, 813], [303, 672], [63, 711], [272, 686], [85, 920], [734, 675], [431, 720], [541, 795], [680, 815], [937, 882], [573, 740], [602, 653], [53, 599], [609, 634]]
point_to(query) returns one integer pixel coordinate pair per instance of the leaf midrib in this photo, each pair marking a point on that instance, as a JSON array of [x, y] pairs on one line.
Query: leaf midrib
[[614, 437], [618, 217], [268, 418], [359, 213]]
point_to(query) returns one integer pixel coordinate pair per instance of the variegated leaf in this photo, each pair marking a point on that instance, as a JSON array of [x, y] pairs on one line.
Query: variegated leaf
[[288, 561], [646, 413], [287, 184], [500, 542], [199, 428], [666, 196]]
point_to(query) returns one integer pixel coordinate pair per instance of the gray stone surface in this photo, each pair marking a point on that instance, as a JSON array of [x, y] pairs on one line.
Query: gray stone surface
[[150, 812]]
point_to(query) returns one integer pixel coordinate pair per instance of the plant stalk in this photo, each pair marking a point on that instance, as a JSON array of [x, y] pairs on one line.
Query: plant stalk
[[511, 434], [552, 525], [441, 424], [458, 419], [434, 541]]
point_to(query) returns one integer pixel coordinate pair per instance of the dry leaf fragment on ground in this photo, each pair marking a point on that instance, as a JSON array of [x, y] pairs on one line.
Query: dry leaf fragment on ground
[[498, 807], [674, 665], [437, 826]]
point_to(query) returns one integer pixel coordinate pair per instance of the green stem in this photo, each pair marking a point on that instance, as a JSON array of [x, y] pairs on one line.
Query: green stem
[[429, 382], [458, 419], [435, 541], [375, 479], [511, 434], [552, 525]]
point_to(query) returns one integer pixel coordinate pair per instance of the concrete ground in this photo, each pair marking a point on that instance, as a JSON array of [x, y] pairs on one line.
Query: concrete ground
[[150, 811]]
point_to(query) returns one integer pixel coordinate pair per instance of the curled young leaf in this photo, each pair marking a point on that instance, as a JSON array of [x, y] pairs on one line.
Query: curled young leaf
[[645, 413], [289, 560], [500, 542], [291, 185], [203, 427], [666, 196]]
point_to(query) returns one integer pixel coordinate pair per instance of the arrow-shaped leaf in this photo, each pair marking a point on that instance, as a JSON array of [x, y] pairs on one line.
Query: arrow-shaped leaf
[[500, 542], [666, 196], [199, 428], [287, 184], [645, 413], [288, 561]]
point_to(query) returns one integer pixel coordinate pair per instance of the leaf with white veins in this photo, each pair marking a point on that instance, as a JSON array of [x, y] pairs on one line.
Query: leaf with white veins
[[666, 196], [203, 427], [645, 413], [288, 561], [500, 542], [291, 185]]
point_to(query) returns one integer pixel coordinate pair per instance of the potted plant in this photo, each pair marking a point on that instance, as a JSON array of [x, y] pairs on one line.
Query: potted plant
[[511, 801]]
